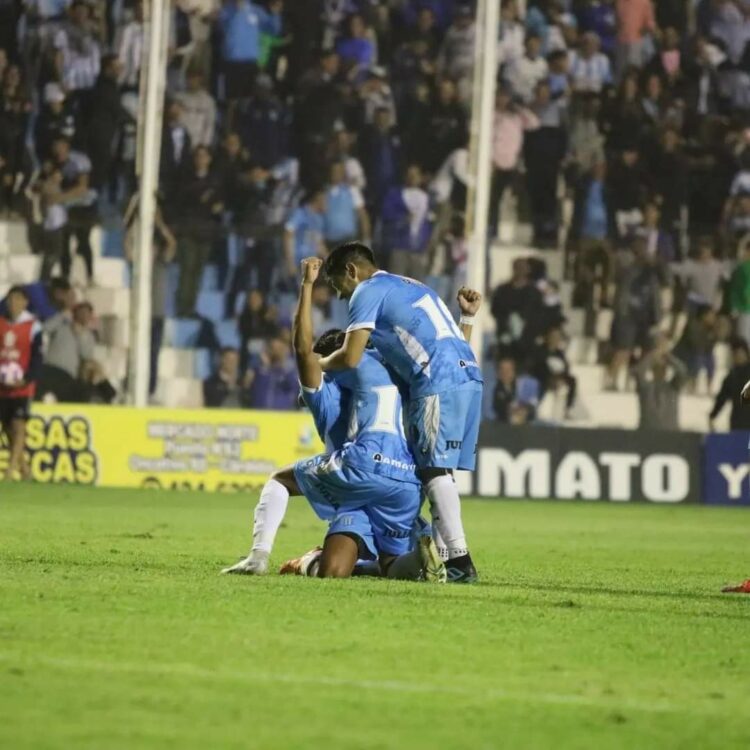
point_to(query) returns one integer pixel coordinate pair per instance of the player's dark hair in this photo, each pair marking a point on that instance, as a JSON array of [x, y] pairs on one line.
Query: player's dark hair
[[329, 342], [350, 252], [738, 343], [18, 290]]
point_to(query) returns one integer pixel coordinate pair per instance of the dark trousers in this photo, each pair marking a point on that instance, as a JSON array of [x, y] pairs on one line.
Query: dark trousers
[[81, 220], [192, 255], [52, 245], [543, 150], [157, 336], [502, 179]]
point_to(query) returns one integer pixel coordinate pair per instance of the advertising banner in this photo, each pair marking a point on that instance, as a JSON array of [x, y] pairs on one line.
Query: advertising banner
[[726, 469], [208, 449], [568, 464]]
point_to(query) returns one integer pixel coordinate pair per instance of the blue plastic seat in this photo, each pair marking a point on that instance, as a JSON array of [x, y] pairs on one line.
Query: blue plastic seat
[[182, 333], [228, 334], [211, 305], [202, 364]]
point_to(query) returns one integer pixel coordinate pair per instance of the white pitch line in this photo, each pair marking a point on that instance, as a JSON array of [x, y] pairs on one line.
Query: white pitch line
[[476, 692]]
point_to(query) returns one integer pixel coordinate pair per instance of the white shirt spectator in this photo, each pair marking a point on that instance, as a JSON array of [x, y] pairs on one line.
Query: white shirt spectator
[[199, 116], [510, 45], [740, 183], [524, 74], [355, 173], [590, 74], [418, 203], [129, 51], [81, 57]]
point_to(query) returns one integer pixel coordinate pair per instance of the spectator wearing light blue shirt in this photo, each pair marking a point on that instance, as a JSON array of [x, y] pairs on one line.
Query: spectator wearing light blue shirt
[[303, 233], [242, 23], [345, 214]]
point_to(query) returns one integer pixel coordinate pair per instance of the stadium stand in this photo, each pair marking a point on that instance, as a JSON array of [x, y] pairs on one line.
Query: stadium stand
[[621, 171]]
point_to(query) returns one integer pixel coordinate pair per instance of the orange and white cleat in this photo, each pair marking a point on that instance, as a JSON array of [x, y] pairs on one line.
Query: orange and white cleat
[[306, 565], [743, 588]]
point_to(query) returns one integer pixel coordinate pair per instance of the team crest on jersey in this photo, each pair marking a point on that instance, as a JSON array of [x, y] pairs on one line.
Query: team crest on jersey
[[9, 341]]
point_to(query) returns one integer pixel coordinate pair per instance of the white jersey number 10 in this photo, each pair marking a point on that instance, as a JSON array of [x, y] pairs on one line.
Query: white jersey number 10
[[440, 317]]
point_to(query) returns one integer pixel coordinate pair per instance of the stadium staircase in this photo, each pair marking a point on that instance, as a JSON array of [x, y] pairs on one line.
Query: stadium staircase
[[186, 355]]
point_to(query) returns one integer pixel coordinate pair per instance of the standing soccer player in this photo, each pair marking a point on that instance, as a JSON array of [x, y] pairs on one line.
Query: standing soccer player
[[20, 344], [415, 334]]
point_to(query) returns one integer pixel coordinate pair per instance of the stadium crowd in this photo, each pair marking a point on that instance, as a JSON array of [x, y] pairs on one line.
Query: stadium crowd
[[292, 126]]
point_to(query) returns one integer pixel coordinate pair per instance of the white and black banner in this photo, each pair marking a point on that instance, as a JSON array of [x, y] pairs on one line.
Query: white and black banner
[[568, 464]]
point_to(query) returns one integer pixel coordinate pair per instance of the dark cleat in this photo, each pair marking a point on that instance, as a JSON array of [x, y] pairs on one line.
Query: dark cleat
[[461, 570]]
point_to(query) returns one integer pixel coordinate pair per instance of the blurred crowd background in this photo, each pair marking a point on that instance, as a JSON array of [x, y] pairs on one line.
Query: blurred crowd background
[[621, 139]]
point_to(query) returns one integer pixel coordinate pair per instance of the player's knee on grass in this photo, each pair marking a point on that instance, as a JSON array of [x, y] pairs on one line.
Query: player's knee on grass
[[286, 477], [340, 553]]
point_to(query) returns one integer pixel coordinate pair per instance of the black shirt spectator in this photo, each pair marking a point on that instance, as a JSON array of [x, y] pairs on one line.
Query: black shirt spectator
[[731, 388], [224, 389]]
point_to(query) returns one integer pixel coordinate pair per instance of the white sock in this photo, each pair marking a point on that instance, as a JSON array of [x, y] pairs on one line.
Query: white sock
[[445, 506], [439, 542], [269, 513]]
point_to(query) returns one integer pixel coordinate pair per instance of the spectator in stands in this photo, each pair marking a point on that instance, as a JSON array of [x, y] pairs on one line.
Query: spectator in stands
[[176, 155], [626, 181], [660, 377], [637, 308], [381, 156], [56, 120], [524, 74], [79, 199], [635, 19], [69, 345], [345, 216], [515, 398], [343, 150], [585, 139], [46, 192], [275, 383], [77, 53], [702, 278], [241, 24], [264, 123], [589, 237], [514, 303], [669, 176], [590, 69], [257, 323], [303, 233], [252, 200], [197, 224], [511, 38], [225, 389], [406, 226], [551, 368], [103, 116], [739, 295], [198, 110], [731, 388], [15, 110], [356, 48], [446, 123], [544, 150], [622, 118], [456, 57], [129, 48], [374, 93], [509, 128], [696, 345], [659, 244]]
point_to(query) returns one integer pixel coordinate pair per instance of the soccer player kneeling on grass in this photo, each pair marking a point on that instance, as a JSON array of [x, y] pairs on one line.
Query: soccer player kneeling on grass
[[365, 485], [20, 360]]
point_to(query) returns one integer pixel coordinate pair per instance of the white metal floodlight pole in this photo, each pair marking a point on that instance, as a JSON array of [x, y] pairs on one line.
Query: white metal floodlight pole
[[152, 86], [480, 153]]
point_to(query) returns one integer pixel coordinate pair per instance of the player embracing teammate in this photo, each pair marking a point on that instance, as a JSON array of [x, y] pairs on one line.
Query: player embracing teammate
[[414, 332], [20, 361]]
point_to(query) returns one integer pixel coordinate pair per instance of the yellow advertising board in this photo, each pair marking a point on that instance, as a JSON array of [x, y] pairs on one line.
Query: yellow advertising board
[[207, 449]]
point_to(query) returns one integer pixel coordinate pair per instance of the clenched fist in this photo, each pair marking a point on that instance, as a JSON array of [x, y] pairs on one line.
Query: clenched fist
[[310, 270], [469, 301]]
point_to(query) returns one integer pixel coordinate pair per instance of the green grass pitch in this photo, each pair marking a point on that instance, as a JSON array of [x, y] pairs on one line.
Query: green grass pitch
[[594, 626]]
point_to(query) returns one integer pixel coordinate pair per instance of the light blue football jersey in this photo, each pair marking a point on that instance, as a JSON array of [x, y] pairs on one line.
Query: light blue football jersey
[[376, 431], [414, 332], [329, 406]]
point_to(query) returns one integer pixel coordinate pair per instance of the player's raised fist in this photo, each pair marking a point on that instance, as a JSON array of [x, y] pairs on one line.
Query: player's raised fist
[[310, 270], [469, 300], [746, 391]]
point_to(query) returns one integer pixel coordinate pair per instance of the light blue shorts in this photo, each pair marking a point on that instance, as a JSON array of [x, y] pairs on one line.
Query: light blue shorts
[[444, 428], [357, 502]]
